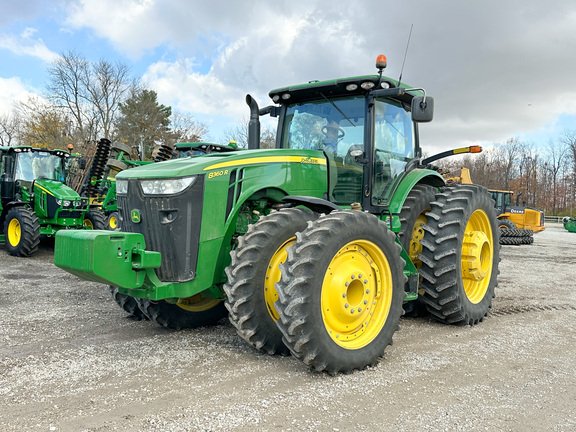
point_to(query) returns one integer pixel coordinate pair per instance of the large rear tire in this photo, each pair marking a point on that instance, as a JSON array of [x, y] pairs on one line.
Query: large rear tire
[[21, 232], [192, 312], [253, 274], [412, 219], [95, 219], [460, 255], [341, 292]]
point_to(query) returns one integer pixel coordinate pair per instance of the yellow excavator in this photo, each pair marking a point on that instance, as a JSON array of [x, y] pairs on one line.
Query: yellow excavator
[[510, 216]]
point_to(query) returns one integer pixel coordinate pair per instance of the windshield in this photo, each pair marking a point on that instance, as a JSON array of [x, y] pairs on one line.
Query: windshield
[[34, 165], [333, 126]]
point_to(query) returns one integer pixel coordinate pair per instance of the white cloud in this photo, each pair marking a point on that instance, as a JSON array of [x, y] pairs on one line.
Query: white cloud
[[495, 68], [12, 90], [25, 45]]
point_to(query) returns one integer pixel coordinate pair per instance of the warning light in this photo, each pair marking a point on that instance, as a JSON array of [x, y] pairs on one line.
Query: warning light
[[475, 149], [381, 62]]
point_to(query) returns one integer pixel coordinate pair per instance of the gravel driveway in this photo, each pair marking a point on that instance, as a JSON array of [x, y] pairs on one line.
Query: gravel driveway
[[71, 360]]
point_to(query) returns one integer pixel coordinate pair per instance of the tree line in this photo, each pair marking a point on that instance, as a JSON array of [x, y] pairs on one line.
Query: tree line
[[543, 177], [84, 101]]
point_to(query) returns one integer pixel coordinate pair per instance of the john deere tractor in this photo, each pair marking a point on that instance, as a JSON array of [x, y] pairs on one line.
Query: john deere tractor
[[311, 248], [35, 201]]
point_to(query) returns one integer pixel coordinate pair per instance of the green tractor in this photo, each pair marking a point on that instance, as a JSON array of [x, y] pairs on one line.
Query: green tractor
[[35, 201], [312, 248], [569, 223]]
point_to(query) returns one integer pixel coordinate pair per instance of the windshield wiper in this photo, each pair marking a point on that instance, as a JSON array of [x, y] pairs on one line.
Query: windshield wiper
[[339, 110]]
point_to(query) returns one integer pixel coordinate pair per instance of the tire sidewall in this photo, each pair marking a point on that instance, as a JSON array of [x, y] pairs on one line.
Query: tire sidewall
[[357, 358], [480, 201]]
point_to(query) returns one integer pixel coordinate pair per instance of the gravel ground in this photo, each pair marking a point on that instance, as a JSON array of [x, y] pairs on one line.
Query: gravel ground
[[71, 360]]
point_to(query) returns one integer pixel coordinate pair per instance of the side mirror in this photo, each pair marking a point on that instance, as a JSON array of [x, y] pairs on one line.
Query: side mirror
[[422, 109]]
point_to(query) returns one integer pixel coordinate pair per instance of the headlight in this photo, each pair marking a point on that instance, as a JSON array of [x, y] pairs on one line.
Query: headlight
[[59, 202], [166, 187], [67, 203], [121, 186]]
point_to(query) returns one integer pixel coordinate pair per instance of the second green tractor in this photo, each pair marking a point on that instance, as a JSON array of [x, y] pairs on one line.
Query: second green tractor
[[314, 248]]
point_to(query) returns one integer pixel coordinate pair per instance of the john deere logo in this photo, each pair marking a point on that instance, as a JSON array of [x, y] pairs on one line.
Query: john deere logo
[[135, 215]]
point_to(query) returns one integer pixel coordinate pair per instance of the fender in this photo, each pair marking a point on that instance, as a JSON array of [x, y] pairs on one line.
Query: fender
[[317, 205], [414, 177]]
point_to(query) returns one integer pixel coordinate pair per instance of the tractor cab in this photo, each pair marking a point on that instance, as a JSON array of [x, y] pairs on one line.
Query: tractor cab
[[367, 128]]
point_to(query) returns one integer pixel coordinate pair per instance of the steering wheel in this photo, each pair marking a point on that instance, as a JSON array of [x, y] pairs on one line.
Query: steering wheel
[[340, 131]]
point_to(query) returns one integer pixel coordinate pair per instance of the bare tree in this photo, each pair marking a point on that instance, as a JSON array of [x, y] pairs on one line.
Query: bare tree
[[89, 93], [185, 128], [239, 133], [9, 128]]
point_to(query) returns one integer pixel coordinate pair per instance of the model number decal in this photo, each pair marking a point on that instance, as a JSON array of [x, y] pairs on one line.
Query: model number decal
[[217, 173]]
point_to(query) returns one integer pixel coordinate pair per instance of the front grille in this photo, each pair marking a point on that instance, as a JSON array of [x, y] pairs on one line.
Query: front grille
[[170, 225], [70, 214]]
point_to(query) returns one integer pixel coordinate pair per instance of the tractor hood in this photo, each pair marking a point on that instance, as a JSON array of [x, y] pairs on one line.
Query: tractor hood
[[207, 164], [56, 189]]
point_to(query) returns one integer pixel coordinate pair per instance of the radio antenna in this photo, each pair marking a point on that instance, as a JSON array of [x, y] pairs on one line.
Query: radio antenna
[[405, 54]]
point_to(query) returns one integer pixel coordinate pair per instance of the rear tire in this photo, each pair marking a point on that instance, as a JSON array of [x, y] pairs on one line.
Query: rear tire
[[253, 274], [412, 219], [95, 219], [192, 312], [341, 292], [21, 232], [460, 255]]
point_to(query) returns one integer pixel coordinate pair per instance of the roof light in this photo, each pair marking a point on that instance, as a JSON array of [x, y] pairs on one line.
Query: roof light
[[286, 96], [385, 84], [276, 98], [367, 85], [351, 87], [381, 62]]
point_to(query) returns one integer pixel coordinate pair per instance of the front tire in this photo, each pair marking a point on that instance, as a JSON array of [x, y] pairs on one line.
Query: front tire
[[21, 232], [253, 274], [460, 255], [341, 292], [128, 303], [192, 312]]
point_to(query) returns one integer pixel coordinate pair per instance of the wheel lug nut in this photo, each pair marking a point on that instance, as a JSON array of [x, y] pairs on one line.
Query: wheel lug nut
[[351, 311], [365, 301], [344, 295], [359, 309], [365, 281], [352, 277], [346, 305], [346, 283], [367, 291]]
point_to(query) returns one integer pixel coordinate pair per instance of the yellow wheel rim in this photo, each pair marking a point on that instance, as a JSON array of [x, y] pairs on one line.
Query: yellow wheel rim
[[417, 235], [477, 256], [88, 224], [273, 275], [14, 232], [113, 222], [197, 303], [356, 294]]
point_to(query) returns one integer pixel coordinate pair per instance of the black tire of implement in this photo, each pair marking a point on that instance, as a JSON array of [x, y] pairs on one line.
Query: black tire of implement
[[29, 232], [511, 240], [116, 165], [97, 218], [120, 147], [442, 245], [300, 290], [128, 303], [516, 232], [172, 316], [504, 224], [245, 289], [417, 203]]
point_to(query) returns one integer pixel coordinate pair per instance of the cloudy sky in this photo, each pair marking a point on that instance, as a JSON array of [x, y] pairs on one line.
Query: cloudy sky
[[497, 68]]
